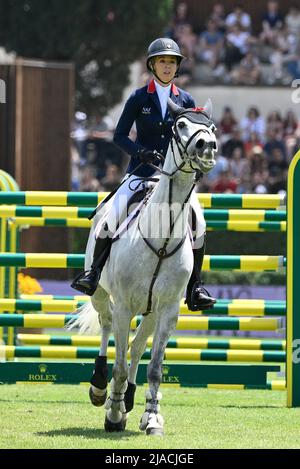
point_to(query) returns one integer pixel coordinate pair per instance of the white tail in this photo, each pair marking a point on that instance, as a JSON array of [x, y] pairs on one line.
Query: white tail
[[86, 320]]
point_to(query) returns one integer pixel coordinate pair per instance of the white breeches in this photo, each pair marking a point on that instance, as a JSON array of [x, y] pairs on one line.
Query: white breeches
[[120, 200]]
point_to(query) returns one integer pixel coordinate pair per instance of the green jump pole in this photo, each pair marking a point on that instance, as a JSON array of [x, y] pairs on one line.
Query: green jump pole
[[293, 284]]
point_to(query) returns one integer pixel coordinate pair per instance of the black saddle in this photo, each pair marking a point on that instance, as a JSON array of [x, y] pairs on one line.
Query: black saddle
[[136, 198]]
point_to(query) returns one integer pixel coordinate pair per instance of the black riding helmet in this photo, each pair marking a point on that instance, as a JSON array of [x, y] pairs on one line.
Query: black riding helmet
[[164, 46]]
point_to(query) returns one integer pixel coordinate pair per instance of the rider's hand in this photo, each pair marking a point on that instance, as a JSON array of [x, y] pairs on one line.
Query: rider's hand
[[147, 156]]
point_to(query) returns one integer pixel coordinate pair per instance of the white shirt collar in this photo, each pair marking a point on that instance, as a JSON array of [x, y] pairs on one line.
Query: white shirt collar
[[163, 89], [163, 93]]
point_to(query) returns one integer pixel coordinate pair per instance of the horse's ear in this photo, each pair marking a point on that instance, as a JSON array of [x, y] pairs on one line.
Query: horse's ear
[[208, 108], [173, 108]]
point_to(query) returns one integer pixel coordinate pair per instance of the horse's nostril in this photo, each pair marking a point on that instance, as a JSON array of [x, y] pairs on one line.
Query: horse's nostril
[[200, 144]]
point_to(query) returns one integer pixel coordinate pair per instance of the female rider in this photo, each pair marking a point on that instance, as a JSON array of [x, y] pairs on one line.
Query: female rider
[[147, 108]]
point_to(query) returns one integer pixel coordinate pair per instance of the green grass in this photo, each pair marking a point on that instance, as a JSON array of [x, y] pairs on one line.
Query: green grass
[[46, 416]]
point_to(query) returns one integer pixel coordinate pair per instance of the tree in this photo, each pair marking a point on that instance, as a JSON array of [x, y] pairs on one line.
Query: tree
[[102, 38]]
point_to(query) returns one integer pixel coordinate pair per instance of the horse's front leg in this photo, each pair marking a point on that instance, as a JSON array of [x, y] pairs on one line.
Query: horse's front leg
[[116, 416], [137, 349], [152, 421], [99, 380]]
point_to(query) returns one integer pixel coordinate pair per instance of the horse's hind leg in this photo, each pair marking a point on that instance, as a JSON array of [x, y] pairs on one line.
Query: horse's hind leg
[[137, 349], [116, 415], [152, 421], [99, 380]]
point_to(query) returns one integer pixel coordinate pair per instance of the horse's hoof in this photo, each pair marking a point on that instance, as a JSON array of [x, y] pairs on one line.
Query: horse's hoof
[[114, 427], [155, 432], [129, 397], [97, 401]]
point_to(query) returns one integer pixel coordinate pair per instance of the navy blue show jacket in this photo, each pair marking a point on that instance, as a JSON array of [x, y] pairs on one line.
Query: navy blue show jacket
[[153, 131]]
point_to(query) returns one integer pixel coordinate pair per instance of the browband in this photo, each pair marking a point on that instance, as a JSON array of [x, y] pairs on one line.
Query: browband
[[197, 116]]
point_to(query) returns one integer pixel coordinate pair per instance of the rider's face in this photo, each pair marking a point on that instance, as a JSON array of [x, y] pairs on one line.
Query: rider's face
[[165, 67]]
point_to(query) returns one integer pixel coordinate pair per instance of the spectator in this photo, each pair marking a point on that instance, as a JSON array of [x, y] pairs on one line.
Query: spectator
[[245, 184], [258, 166], [181, 14], [88, 181], [290, 133], [248, 72], [186, 69], [290, 124], [186, 39], [274, 141], [253, 141], [75, 168], [253, 122], [221, 166], [210, 44], [285, 54], [238, 165], [236, 46], [79, 134], [102, 127], [278, 169], [290, 127], [112, 179], [272, 21], [292, 20], [238, 17], [227, 125], [180, 18], [275, 122], [233, 143], [225, 183], [259, 184], [218, 16]]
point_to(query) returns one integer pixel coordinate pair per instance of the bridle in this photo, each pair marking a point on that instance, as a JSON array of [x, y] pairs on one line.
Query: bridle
[[162, 253], [183, 148]]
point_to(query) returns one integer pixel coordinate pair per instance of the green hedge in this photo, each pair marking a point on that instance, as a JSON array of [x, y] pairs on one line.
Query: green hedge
[[235, 243]]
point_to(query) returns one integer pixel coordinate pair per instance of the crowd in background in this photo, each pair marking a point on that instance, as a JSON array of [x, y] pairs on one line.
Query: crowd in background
[[254, 153], [233, 53]]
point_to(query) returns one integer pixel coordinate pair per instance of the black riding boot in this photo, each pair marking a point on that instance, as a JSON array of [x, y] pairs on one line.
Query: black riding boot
[[87, 282], [197, 297]]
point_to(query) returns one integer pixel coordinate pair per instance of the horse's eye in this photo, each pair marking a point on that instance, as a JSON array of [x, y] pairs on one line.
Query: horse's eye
[[181, 125]]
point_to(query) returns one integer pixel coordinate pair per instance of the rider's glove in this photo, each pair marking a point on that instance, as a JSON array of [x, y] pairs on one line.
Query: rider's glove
[[147, 156]]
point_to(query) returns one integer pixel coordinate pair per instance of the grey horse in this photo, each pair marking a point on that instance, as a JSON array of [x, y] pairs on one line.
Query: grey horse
[[147, 271]]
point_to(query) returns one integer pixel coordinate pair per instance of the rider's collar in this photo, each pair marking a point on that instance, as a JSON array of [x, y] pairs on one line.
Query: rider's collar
[[152, 89]]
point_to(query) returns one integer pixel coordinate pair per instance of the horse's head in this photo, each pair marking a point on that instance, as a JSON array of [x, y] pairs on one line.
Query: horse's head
[[194, 132]]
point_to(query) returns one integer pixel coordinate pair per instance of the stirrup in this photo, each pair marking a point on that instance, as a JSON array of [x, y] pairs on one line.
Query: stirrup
[[85, 287], [199, 298]]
